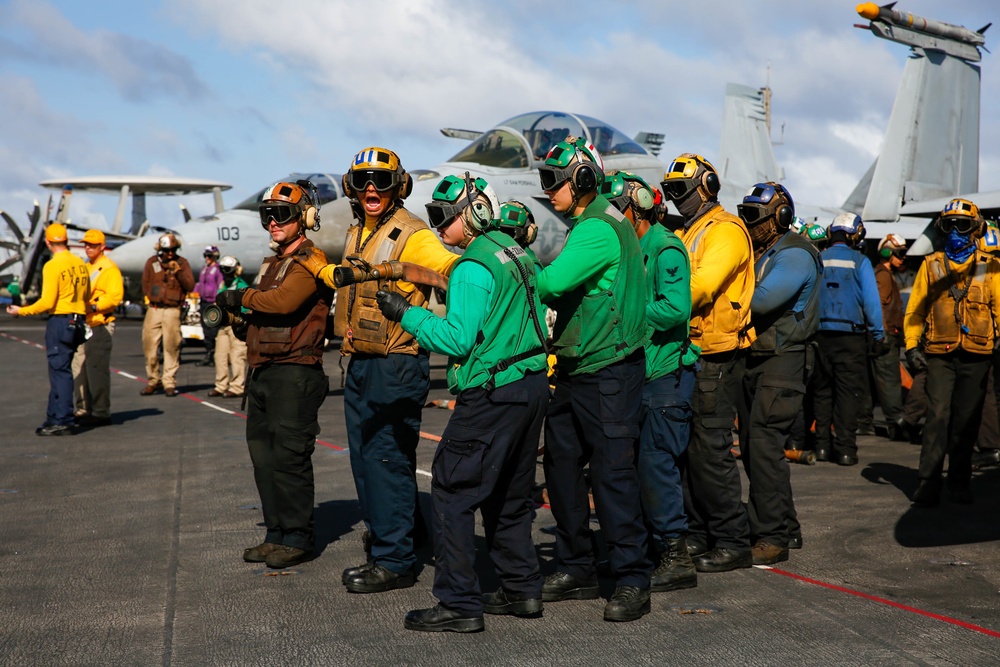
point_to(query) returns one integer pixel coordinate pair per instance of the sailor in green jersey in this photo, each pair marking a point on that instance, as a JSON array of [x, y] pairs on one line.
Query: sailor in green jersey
[[486, 460], [597, 286], [670, 377]]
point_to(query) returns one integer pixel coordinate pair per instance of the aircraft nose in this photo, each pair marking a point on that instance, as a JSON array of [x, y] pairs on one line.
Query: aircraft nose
[[131, 256]]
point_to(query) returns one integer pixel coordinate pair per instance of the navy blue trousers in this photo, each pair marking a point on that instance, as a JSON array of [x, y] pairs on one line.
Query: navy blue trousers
[[486, 461], [666, 430], [59, 349], [594, 418], [383, 400]]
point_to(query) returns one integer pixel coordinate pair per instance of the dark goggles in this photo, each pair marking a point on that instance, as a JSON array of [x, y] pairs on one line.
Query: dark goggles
[[440, 213], [280, 213], [552, 178], [960, 223], [753, 214], [678, 188], [380, 178]]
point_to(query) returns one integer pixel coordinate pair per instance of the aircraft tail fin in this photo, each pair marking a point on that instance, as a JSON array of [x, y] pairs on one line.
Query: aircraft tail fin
[[931, 145], [746, 155]]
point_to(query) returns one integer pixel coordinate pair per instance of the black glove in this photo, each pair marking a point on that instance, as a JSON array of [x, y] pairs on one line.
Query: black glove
[[231, 300], [916, 359], [392, 305]]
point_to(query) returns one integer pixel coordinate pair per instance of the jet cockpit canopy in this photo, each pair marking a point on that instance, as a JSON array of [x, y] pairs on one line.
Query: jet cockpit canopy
[[523, 141], [327, 188]]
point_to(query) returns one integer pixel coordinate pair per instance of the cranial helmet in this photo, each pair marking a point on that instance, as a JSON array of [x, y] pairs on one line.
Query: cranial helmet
[[629, 192], [892, 244], [211, 251], [816, 233], [851, 225], [284, 202], [229, 265], [962, 216], [768, 211], [168, 242], [517, 221], [575, 161], [472, 198], [382, 168], [689, 172]]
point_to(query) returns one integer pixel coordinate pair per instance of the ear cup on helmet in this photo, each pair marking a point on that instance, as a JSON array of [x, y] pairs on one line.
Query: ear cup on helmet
[[309, 216], [406, 187], [344, 186], [710, 181], [643, 198], [784, 216], [480, 216], [530, 234], [585, 178]]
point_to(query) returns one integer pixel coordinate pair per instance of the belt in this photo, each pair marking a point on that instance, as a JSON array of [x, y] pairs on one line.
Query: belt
[[163, 305]]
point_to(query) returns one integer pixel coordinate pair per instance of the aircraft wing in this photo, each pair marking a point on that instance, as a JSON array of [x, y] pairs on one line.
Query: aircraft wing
[[988, 203]]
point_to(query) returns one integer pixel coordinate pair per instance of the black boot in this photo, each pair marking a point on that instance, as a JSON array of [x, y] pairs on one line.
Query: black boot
[[676, 569], [207, 360]]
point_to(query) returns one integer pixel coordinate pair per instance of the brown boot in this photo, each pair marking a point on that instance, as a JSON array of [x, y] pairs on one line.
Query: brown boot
[[676, 569], [259, 553], [765, 553], [150, 389]]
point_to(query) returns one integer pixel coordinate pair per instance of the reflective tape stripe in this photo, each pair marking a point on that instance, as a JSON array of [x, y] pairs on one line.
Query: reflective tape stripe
[[838, 263]]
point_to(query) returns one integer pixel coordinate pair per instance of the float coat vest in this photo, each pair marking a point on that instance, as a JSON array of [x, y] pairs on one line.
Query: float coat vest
[[593, 331], [841, 303], [295, 338], [790, 330], [970, 327], [507, 346], [724, 324], [357, 317]]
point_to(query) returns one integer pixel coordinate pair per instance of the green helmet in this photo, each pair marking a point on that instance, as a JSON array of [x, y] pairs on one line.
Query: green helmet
[[574, 160], [624, 189], [517, 222], [472, 198], [815, 232]]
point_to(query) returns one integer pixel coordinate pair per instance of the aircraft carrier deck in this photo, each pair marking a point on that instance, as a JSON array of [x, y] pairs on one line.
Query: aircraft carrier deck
[[122, 546]]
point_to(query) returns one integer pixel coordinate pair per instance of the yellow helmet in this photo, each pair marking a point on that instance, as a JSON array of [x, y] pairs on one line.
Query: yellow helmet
[[687, 172], [961, 215], [382, 168]]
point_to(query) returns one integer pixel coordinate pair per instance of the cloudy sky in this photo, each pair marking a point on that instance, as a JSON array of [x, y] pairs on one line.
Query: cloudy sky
[[247, 91]]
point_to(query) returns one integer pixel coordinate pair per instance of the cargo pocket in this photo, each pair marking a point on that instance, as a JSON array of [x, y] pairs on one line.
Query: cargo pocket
[[458, 462], [613, 408]]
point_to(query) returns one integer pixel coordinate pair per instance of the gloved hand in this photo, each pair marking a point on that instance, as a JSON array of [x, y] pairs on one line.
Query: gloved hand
[[392, 305], [173, 266], [231, 300], [312, 260], [916, 359]]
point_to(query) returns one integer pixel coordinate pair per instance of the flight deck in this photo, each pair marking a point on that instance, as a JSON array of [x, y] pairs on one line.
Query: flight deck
[[122, 546]]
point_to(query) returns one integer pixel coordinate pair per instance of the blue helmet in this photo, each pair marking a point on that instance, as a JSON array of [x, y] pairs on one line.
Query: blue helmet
[[851, 225]]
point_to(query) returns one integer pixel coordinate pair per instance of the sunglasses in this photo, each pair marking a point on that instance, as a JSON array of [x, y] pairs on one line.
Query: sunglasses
[[280, 213], [678, 188], [380, 178], [552, 178]]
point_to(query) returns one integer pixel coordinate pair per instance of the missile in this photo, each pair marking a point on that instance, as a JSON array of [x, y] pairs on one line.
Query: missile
[[871, 11]]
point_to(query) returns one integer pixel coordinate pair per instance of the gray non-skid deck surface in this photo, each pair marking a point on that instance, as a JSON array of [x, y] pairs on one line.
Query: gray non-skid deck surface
[[121, 546]]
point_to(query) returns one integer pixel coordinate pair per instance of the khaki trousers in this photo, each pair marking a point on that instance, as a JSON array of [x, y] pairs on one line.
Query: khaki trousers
[[162, 324], [92, 373], [230, 353]]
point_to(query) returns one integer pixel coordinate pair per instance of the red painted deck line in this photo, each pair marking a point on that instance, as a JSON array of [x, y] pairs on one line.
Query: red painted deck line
[[875, 598]]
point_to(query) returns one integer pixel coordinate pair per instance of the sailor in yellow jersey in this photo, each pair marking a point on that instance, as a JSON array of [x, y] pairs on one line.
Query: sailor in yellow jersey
[[92, 362], [65, 288], [388, 376]]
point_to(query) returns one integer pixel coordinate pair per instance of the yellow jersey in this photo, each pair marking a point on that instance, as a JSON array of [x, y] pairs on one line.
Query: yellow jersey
[[65, 287], [106, 290]]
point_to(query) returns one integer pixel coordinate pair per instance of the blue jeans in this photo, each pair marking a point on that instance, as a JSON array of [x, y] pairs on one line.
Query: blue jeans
[[666, 430]]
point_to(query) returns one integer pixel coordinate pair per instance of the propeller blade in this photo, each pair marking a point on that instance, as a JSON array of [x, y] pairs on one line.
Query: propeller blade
[[13, 226], [10, 245], [10, 261]]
